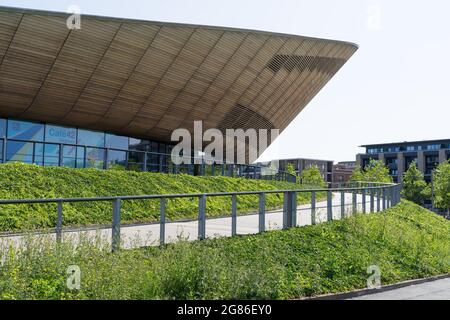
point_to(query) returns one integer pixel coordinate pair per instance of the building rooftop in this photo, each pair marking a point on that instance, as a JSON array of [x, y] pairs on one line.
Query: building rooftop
[[405, 143], [147, 78]]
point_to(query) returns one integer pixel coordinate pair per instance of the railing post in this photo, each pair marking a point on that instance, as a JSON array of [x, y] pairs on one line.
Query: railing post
[[372, 203], [342, 204], [262, 212], [162, 221], [290, 209], [287, 210], [293, 208], [378, 200], [223, 169], [329, 206], [59, 222], [233, 215], [383, 191], [364, 200], [202, 217], [313, 208], [354, 202], [391, 195], [116, 225]]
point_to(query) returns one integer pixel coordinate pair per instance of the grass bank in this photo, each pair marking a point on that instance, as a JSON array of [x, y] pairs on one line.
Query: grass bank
[[21, 181], [405, 242]]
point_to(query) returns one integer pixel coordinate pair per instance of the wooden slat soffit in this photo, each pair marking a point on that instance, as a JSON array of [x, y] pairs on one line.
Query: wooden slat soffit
[[145, 79]]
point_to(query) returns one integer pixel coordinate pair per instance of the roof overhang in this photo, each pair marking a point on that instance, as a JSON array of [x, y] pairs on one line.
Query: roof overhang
[[145, 79]]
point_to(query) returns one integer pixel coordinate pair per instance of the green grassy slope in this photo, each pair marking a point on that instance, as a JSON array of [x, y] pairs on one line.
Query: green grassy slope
[[405, 242], [19, 181]]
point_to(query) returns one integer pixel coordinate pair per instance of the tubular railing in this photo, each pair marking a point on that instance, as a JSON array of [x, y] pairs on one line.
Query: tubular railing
[[381, 197]]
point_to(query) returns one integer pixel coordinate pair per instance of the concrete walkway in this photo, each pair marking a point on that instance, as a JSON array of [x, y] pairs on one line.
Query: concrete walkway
[[148, 234], [434, 290]]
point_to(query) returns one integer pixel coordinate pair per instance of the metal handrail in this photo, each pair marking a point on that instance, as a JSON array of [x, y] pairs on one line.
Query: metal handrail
[[387, 195]]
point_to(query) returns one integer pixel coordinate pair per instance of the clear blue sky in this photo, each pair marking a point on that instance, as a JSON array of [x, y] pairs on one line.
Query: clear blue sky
[[395, 88]]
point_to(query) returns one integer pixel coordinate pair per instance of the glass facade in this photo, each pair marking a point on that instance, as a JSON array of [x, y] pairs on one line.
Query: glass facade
[[54, 145]]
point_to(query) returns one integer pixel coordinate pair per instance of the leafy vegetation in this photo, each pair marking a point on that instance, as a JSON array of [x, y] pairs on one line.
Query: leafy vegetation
[[441, 180], [21, 181], [312, 176], [374, 171], [415, 188], [405, 242], [291, 169]]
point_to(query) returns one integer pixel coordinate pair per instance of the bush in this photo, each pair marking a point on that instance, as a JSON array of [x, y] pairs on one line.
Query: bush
[[441, 180], [405, 242], [415, 188], [313, 177], [374, 171]]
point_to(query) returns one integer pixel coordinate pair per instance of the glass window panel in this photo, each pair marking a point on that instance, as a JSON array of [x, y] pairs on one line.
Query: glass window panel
[[1, 151], [116, 159], [80, 163], [116, 142], [51, 154], [19, 151], [2, 128], [95, 158], [60, 134], [39, 154], [69, 156], [91, 138], [24, 130], [154, 147]]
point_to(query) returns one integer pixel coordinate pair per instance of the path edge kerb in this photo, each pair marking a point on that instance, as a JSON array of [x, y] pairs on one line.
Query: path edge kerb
[[363, 292]]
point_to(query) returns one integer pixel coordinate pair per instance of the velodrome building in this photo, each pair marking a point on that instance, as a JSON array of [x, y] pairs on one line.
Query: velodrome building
[[112, 92]]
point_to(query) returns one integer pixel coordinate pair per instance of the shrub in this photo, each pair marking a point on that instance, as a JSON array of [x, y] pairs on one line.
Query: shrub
[[441, 180], [415, 188], [313, 177], [374, 171]]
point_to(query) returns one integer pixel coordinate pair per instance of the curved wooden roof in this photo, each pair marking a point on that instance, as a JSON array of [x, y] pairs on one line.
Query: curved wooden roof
[[145, 79]]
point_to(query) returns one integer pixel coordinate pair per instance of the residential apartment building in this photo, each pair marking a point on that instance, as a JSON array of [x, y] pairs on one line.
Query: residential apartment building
[[342, 171], [398, 156]]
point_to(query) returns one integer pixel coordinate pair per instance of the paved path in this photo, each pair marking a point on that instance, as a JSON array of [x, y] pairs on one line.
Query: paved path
[[148, 234], [434, 290]]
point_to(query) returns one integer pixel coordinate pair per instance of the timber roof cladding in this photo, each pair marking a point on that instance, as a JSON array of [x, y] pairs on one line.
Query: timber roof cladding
[[145, 79]]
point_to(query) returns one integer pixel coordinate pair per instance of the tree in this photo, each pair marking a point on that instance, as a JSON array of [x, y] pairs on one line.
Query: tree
[[374, 171], [414, 186], [313, 176], [441, 182], [290, 169]]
